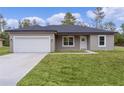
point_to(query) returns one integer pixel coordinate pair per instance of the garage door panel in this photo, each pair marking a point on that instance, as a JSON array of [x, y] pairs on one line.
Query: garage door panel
[[31, 44]]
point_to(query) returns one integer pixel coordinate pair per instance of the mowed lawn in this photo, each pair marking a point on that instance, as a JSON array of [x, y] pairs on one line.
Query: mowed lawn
[[105, 68], [4, 50]]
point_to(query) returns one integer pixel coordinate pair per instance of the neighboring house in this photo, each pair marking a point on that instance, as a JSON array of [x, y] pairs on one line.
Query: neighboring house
[[1, 42], [60, 37]]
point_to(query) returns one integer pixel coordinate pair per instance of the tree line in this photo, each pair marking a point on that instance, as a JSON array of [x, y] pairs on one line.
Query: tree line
[[69, 19]]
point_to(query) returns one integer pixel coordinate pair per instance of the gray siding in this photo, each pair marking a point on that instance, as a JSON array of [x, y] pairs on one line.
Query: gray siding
[[58, 43], [88, 42], [32, 34], [93, 42]]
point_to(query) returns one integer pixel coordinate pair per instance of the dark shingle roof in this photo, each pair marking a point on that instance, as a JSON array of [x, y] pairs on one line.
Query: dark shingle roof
[[60, 29], [31, 28], [73, 28]]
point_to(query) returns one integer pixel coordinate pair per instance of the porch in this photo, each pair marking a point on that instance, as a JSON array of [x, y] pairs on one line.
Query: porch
[[71, 42]]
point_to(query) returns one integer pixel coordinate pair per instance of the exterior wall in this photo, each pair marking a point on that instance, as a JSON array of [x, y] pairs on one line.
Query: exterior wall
[[93, 42], [52, 38], [1, 43], [88, 42], [58, 43]]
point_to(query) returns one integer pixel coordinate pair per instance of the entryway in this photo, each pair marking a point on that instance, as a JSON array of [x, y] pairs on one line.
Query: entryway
[[83, 42]]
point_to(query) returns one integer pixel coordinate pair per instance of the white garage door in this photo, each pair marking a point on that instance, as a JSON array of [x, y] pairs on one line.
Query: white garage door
[[31, 44]]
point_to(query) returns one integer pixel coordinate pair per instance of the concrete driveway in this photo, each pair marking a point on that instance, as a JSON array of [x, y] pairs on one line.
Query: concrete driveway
[[15, 66]]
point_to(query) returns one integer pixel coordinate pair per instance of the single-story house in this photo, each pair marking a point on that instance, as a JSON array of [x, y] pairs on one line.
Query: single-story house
[[59, 37], [1, 42]]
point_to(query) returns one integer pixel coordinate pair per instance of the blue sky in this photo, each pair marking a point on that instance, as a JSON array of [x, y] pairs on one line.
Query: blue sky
[[43, 12], [54, 14]]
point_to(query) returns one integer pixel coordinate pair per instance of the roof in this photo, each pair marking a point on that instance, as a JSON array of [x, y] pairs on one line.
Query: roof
[[60, 29], [32, 29]]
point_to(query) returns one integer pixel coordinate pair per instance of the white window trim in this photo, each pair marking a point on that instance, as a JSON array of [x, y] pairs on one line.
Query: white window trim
[[99, 41], [68, 45]]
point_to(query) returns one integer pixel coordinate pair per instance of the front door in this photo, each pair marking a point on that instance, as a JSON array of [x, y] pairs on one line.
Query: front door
[[83, 42]]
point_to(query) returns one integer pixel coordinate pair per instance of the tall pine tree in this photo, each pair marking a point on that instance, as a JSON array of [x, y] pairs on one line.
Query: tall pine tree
[[2, 23], [26, 23], [69, 19], [99, 15]]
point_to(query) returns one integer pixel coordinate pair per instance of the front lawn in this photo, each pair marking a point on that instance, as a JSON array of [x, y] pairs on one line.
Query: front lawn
[[105, 68], [4, 50]]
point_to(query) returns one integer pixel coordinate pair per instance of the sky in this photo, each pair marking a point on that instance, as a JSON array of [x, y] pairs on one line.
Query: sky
[[54, 15]]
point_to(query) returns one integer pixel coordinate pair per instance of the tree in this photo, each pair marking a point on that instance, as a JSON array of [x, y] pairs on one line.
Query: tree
[[99, 15], [2, 35], [34, 22], [119, 39], [19, 24], [122, 27], [109, 26], [2, 23], [5, 37], [26, 23], [69, 19], [82, 24]]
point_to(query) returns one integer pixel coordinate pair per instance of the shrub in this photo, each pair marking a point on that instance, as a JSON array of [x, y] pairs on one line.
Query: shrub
[[5, 38], [119, 39]]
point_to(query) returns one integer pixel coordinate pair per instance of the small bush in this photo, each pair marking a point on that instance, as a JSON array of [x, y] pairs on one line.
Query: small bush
[[5, 38], [119, 39]]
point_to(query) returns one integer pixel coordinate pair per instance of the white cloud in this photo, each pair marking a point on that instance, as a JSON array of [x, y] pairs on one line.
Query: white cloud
[[13, 23], [78, 17], [118, 29], [115, 14], [52, 20], [57, 18], [90, 14], [39, 20], [111, 14]]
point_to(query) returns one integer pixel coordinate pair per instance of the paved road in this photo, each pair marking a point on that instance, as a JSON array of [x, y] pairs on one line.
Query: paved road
[[15, 66]]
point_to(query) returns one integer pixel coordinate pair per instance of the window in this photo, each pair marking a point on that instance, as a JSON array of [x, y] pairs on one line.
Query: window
[[82, 39], [102, 41], [68, 41]]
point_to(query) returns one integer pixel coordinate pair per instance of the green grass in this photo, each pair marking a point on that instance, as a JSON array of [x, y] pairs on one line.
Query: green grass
[[4, 50], [118, 48], [105, 68]]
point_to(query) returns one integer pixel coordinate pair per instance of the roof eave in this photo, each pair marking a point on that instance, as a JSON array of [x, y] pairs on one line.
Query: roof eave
[[86, 33], [51, 31]]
